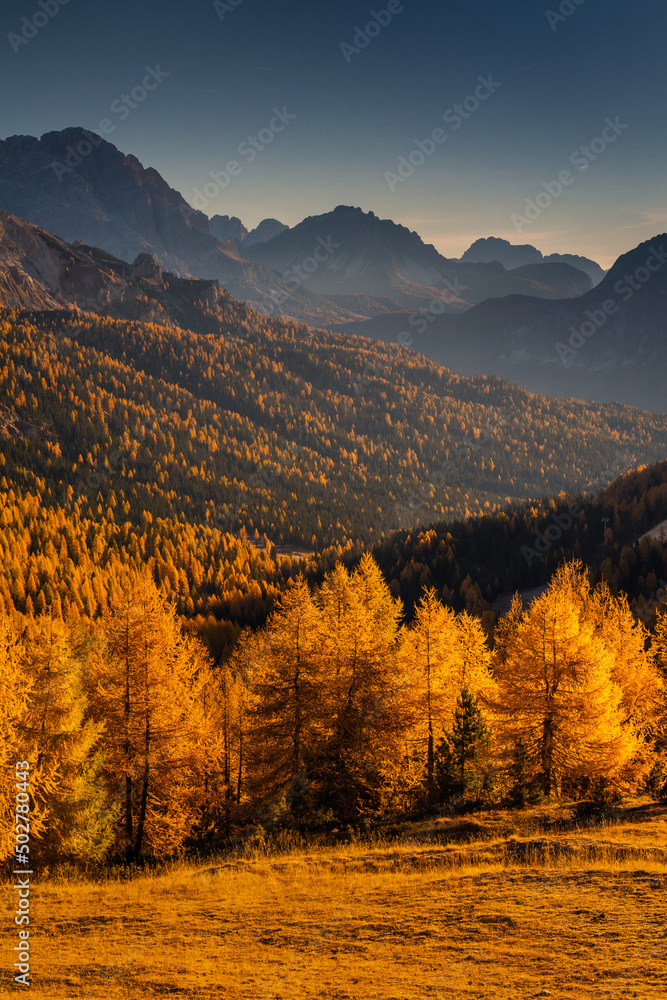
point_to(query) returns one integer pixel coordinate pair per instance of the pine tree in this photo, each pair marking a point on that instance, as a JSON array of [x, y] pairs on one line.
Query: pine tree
[[15, 690], [462, 748], [659, 644], [634, 668], [242, 666], [432, 659]]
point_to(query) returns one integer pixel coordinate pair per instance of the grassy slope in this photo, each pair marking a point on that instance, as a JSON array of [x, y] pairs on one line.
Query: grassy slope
[[583, 914]]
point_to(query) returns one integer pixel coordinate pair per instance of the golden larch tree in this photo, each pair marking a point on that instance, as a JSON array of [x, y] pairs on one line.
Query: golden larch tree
[[557, 689], [65, 743], [286, 691], [149, 694], [366, 704]]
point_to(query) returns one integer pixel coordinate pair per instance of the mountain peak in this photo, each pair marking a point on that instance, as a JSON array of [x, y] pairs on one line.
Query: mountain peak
[[265, 231], [512, 255]]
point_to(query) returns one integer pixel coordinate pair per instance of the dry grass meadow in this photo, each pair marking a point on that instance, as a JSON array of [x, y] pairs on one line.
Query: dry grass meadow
[[503, 905]]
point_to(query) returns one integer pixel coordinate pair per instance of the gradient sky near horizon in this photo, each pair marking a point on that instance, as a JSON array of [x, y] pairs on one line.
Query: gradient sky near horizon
[[356, 116]]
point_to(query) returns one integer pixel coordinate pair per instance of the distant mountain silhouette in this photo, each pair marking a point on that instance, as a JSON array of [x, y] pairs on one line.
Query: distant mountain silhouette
[[264, 232], [330, 270], [366, 263], [513, 256], [226, 228], [609, 344], [484, 250]]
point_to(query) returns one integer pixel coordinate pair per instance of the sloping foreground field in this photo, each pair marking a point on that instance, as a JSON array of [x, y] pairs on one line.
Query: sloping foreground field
[[582, 914]]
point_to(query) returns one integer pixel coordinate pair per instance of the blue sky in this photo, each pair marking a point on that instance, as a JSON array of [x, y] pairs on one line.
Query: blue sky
[[556, 80]]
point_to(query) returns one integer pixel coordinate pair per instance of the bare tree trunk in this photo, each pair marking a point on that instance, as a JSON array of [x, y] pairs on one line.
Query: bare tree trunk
[[430, 752], [128, 779], [547, 754], [240, 771], [142, 813]]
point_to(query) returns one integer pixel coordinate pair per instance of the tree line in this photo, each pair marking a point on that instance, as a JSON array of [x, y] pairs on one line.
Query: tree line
[[335, 711]]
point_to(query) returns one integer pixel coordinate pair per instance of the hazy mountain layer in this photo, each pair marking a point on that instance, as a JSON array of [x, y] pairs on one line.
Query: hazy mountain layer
[[608, 344], [513, 256]]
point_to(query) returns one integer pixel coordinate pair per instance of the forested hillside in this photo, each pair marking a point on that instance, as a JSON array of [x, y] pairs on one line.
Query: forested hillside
[[308, 437], [472, 562]]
